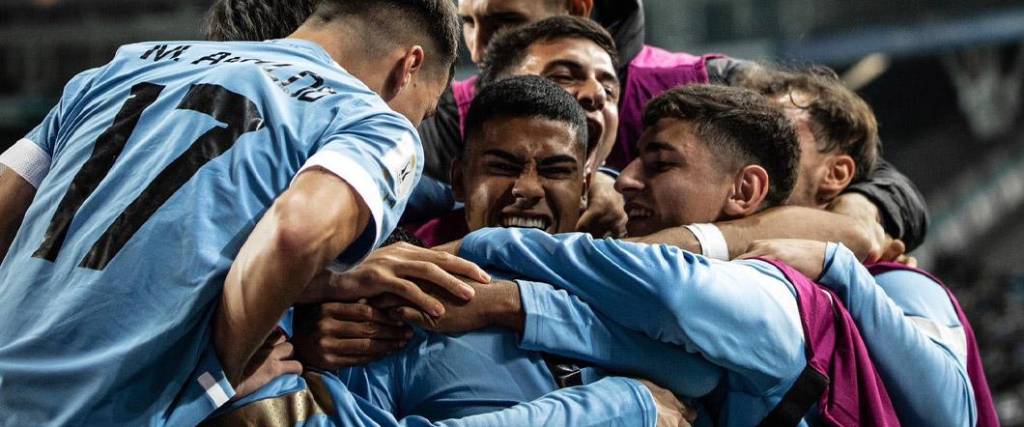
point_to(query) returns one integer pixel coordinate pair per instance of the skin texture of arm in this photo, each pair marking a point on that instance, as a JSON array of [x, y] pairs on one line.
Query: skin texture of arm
[[15, 197], [863, 238], [316, 219]]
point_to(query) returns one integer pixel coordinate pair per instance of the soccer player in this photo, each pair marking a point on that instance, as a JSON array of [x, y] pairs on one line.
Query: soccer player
[[907, 314], [526, 166], [887, 195], [182, 169], [710, 153], [646, 72]]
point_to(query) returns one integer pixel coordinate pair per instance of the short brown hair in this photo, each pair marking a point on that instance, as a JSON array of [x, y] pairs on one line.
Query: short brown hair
[[840, 119], [740, 126]]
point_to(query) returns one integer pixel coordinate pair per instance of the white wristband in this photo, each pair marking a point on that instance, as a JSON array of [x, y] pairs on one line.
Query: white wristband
[[712, 241]]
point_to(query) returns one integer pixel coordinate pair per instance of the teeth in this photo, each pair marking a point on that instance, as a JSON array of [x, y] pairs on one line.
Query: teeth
[[638, 213], [524, 222]]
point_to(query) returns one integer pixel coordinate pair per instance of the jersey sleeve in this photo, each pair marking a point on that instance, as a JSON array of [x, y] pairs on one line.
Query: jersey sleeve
[[611, 401], [735, 316], [380, 157], [896, 339], [30, 157], [559, 323]]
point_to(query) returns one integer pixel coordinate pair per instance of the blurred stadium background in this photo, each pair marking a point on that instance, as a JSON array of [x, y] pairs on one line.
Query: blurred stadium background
[[944, 76]]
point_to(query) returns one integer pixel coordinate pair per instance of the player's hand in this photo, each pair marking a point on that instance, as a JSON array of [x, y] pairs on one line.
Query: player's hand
[[337, 335], [395, 270], [806, 256], [671, 412], [883, 247], [605, 215], [496, 304], [273, 359]]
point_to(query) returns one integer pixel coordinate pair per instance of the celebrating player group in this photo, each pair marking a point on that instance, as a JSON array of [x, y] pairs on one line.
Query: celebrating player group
[[304, 220]]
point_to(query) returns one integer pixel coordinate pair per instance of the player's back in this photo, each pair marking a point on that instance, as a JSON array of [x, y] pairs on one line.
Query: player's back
[[161, 164]]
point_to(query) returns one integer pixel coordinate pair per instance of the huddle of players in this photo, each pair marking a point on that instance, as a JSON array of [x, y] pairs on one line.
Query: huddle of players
[[741, 343]]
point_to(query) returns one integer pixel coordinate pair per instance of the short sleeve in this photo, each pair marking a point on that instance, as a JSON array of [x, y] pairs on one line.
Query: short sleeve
[[380, 157], [30, 157]]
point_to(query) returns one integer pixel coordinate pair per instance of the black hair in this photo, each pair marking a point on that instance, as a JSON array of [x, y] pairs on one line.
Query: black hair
[[525, 96], [255, 20], [740, 126], [388, 21], [508, 49]]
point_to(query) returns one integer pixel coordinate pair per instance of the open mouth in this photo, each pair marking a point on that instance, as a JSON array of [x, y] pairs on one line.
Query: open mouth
[[525, 222], [638, 212]]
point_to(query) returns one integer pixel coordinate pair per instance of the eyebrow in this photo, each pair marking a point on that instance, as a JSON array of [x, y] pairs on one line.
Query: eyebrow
[[509, 157], [505, 16], [554, 160], [658, 146]]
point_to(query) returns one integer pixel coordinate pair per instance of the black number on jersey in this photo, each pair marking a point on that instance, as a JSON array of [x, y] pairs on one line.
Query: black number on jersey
[[238, 113]]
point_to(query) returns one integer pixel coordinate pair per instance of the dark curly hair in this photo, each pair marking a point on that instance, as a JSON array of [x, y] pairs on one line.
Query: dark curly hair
[[740, 126], [508, 49]]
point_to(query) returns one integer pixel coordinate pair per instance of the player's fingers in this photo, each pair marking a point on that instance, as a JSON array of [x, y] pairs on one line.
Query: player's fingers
[[417, 297], [356, 312], [366, 347], [894, 250], [289, 367], [414, 317], [432, 273], [459, 266], [386, 302]]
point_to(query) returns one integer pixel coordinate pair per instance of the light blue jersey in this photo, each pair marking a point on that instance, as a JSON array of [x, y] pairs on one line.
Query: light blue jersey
[[161, 163], [740, 316], [915, 338], [322, 399]]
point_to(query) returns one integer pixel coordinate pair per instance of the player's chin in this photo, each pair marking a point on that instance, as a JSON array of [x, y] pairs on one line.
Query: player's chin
[[639, 227]]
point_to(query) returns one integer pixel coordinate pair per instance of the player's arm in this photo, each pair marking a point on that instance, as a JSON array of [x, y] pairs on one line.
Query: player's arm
[[611, 401], [15, 197], [865, 238], [307, 226], [670, 295], [556, 322], [933, 390]]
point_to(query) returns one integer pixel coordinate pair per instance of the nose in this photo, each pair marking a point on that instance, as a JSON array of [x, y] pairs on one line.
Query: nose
[[480, 37], [630, 181], [527, 189], [591, 95]]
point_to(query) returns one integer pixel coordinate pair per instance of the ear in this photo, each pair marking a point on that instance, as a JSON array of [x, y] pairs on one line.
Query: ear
[[581, 7], [840, 171], [401, 75], [458, 187], [749, 190]]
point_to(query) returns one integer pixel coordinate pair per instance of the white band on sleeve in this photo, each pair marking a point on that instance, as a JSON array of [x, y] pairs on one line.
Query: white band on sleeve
[[712, 241], [356, 176], [27, 160]]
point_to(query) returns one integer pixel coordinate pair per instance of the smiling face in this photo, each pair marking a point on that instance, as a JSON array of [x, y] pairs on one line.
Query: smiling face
[[482, 19], [675, 181], [586, 71], [522, 172]]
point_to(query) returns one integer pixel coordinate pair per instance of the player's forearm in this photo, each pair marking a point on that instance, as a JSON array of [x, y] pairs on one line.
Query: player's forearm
[[791, 222], [304, 229], [559, 323], [15, 197], [779, 223], [611, 401]]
